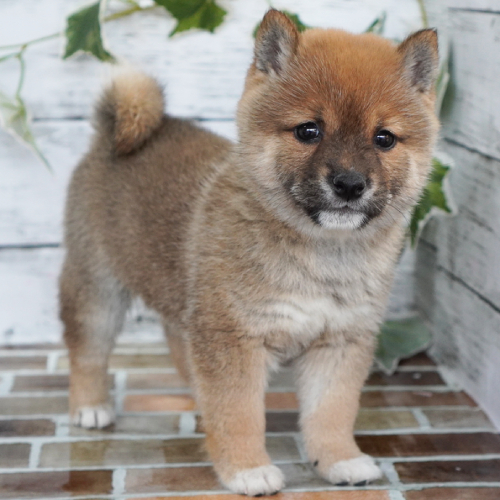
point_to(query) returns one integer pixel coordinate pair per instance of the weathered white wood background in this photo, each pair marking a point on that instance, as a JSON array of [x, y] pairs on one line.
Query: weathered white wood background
[[458, 272]]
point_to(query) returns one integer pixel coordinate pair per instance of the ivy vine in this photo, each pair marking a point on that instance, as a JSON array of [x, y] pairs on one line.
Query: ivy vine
[[83, 33]]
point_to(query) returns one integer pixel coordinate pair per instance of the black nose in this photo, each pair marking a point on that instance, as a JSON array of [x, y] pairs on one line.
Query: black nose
[[349, 185]]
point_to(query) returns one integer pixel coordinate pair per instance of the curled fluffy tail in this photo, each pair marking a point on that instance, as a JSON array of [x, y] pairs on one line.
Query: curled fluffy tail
[[130, 110]]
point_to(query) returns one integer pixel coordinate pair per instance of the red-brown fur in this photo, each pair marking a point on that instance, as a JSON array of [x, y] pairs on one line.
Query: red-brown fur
[[227, 242]]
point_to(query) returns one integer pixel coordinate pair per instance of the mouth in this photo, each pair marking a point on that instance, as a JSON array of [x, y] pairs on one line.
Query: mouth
[[340, 218], [346, 210], [332, 213], [335, 217]]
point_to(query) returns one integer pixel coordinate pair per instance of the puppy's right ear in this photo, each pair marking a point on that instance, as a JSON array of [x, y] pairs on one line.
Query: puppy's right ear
[[276, 42]]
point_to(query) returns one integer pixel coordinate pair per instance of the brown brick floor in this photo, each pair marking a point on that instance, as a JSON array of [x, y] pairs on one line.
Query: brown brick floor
[[433, 443]]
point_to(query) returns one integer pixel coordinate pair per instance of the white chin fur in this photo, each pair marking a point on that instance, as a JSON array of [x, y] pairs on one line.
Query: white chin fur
[[334, 220]]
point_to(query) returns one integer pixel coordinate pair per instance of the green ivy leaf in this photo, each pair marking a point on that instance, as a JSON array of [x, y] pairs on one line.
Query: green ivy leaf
[[14, 118], [378, 25], [433, 198], [400, 339], [83, 32], [295, 20], [181, 9], [201, 14]]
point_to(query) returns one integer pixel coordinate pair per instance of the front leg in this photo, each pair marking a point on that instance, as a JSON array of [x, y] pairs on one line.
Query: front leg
[[229, 378], [330, 377]]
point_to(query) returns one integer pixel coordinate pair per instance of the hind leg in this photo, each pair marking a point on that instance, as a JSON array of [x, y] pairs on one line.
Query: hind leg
[[177, 347], [93, 305]]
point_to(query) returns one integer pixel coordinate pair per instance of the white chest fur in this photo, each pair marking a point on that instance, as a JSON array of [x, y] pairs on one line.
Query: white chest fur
[[308, 317]]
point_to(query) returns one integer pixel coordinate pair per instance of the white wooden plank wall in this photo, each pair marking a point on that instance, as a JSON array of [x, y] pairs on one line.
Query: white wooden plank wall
[[459, 259], [203, 74]]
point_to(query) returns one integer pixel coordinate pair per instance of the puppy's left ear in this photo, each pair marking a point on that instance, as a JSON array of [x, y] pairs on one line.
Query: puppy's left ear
[[275, 43], [421, 58]]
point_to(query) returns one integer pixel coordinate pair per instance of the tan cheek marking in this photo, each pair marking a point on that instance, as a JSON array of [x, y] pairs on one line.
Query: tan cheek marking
[[323, 171], [401, 173], [296, 154]]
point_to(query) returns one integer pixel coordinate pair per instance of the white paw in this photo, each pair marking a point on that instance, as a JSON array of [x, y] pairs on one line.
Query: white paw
[[265, 480], [94, 417], [356, 470]]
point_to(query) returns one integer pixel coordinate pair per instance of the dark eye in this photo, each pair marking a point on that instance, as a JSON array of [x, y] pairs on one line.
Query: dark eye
[[385, 139], [307, 132]]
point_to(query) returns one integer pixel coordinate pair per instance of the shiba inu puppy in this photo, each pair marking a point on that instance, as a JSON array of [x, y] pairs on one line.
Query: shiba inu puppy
[[277, 249]]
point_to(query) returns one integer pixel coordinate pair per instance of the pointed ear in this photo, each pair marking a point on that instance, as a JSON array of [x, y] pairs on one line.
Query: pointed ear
[[276, 42], [421, 58]]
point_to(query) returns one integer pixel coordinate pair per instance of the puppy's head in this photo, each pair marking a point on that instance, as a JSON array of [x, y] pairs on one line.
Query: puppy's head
[[338, 129]]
